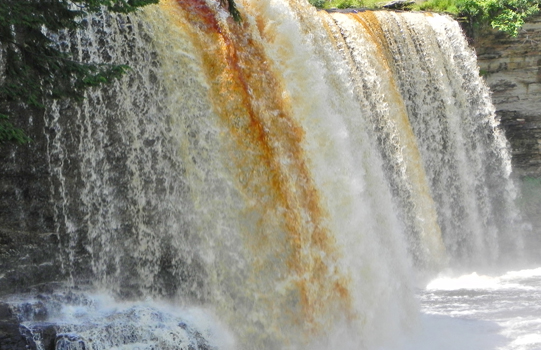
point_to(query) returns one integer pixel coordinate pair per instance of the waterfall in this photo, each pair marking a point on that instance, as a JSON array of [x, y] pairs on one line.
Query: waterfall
[[296, 174]]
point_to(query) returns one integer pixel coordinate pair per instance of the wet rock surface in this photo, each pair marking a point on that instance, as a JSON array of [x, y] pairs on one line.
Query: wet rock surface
[[13, 336], [28, 261], [31, 322], [398, 4], [512, 69]]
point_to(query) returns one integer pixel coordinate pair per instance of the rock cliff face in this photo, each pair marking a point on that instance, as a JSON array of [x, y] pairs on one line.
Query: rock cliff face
[[26, 211], [512, 68]]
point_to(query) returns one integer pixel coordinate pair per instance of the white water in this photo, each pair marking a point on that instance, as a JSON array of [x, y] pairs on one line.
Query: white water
[[99, 322], [482, 312], [466, 312], [296, 178]]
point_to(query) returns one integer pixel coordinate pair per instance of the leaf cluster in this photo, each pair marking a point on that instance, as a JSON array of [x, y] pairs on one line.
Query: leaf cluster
[[35, 68], [446, 6], [232, 8], [9, 133], [505, 15]]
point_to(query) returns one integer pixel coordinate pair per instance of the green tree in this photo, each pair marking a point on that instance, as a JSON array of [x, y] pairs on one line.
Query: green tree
[[232, 8], [505, 15], [34, 68]]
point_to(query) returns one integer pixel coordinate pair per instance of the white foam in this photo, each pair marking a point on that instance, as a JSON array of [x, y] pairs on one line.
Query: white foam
[[476, 311], [484, 282], [101, 322]]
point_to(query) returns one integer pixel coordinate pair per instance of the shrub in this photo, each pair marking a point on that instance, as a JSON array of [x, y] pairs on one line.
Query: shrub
[[505, 15]]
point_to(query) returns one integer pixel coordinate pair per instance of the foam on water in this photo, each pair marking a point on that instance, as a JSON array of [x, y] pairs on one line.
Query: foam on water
[[482, 312], [98, 321]]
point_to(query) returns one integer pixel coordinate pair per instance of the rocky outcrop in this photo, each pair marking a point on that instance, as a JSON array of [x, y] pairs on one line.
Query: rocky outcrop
[[28, 323], [13, 336], [512, 69]]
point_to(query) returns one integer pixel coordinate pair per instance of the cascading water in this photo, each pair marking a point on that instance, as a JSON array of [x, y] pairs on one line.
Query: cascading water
[[295, 174]]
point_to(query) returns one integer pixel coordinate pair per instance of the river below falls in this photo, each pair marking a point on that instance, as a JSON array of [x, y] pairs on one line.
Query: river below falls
[[480, 312], [466, 312]]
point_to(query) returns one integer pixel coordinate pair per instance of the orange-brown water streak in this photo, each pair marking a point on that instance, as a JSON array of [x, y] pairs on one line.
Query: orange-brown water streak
[[269, 164], [426, 216]]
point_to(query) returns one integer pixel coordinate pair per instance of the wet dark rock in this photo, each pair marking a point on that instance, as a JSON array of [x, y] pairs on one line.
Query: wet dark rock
[[28, 261], [201, 342], [67, 341], [398, 4], [48, 337], [23, 323], [35, 311], [13, 336]]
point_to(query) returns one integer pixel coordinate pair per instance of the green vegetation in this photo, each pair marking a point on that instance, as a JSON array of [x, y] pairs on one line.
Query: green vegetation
[[232, 8], [9, 133], [446, 6], [505, 15], [343, 4]]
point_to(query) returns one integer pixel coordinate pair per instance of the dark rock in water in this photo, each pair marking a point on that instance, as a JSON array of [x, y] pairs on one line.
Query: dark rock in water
[[69, 342], [25, 325], [35, 311], [48, 336], [398, 4], [6, 314], [14, 336]]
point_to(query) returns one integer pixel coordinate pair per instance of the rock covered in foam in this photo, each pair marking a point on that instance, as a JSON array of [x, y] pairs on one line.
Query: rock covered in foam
[[75, 321]]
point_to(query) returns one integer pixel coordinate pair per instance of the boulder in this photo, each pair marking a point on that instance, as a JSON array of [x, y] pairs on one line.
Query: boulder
[[14, 336]]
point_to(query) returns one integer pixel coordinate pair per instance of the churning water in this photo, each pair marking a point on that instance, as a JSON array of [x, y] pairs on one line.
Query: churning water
[[293, 178], [482, 312], [468, 312]]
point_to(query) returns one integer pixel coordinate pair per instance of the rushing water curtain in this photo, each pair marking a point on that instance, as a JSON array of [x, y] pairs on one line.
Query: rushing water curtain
[[297, 172]]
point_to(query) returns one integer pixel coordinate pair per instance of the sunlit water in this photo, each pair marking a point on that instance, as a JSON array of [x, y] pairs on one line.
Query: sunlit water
[[294, 175], [467, 312], [480, 312], [99, 322]]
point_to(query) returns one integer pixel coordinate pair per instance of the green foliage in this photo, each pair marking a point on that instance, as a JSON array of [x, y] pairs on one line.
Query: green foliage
[[343, 4], [447, 6], [505, 15], [317, 3], [232, 8], [35, 67], [9, 133]]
